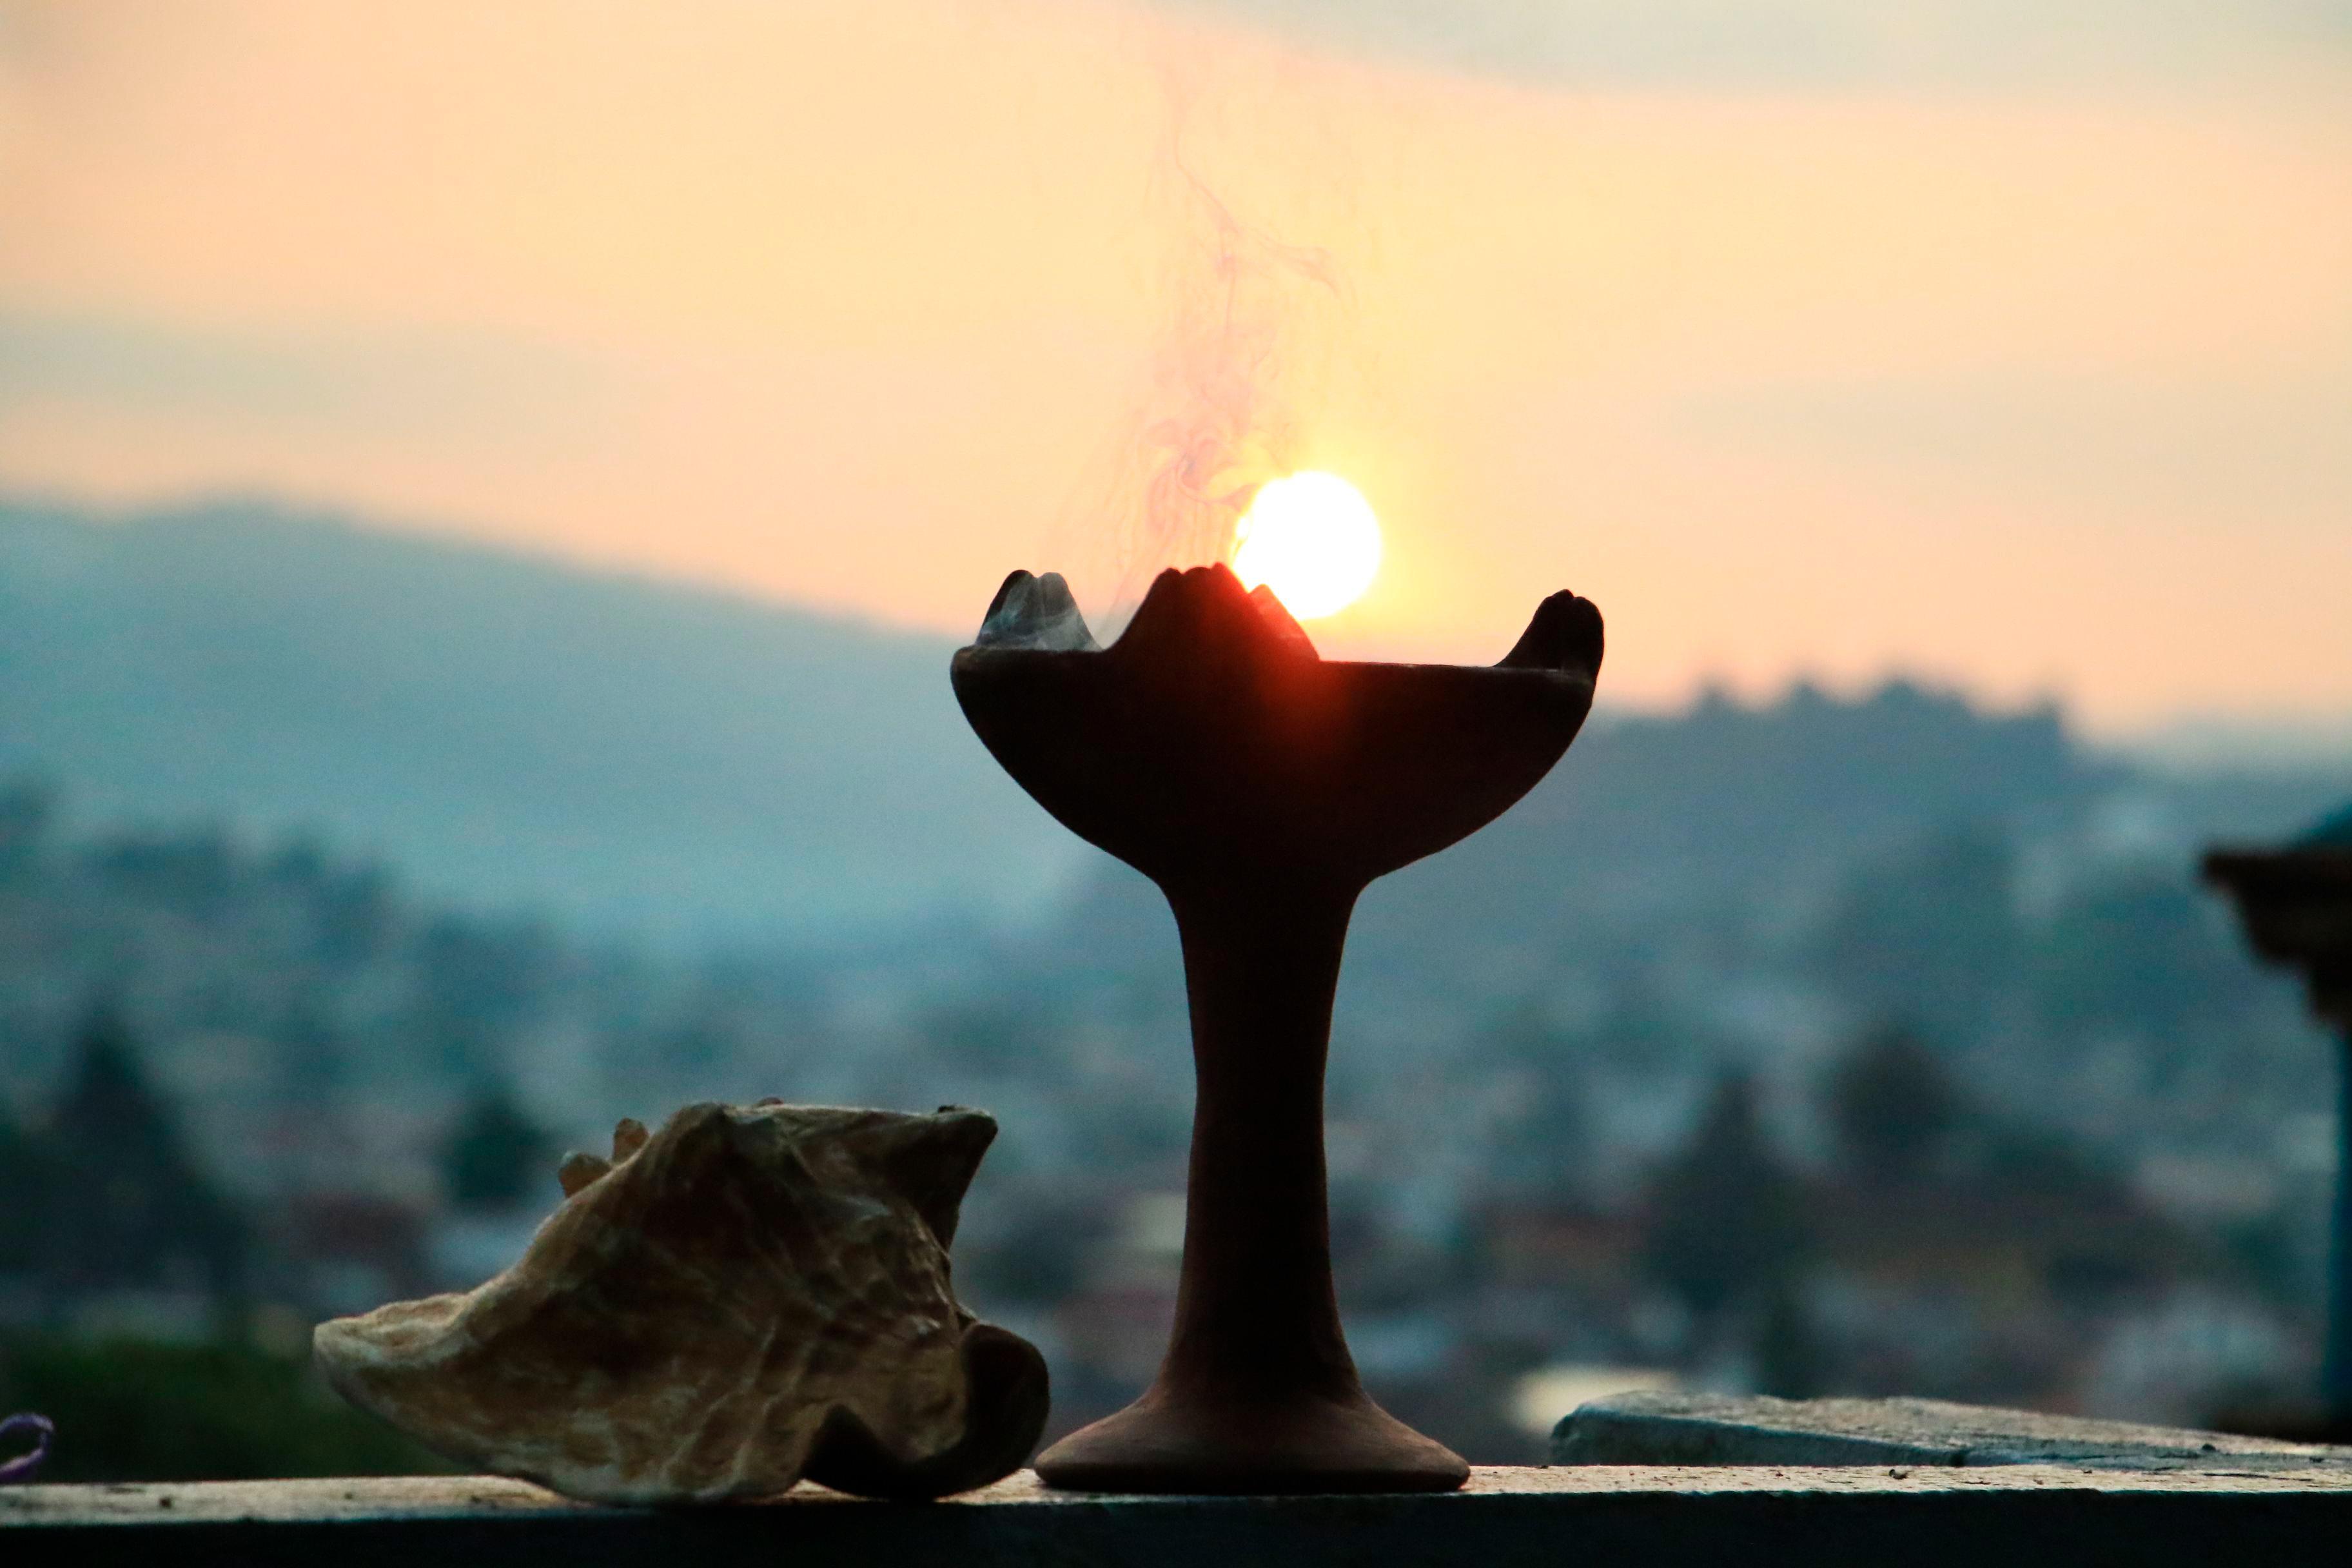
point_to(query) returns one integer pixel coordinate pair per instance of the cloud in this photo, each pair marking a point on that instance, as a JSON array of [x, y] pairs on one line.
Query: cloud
[[2218, 450], [413, 384], [1823, 43]]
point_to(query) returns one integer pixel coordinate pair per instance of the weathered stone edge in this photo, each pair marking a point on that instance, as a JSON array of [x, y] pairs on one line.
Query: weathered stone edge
[[403, 1500], [1660, 1428]]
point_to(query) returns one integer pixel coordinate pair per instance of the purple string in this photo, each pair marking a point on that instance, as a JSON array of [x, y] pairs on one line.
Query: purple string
[[22, 1467]]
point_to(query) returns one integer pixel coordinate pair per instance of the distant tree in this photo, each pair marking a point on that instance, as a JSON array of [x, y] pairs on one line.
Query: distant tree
[[1893, 1108], [1726, 1215], [194, 873], [491, 977], [354, 914], [26, 1180], [128, 1204], [1791, 1361], [2024, 1161], [495, 1156], [1537, 1149], [308, 1057], [1932, 935], [1642, 1029], [2150, 958], [27, 814], [475, 984]]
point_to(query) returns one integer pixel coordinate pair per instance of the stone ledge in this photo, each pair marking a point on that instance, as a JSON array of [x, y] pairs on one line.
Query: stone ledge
[[1623, 1515], [1667, 1428]]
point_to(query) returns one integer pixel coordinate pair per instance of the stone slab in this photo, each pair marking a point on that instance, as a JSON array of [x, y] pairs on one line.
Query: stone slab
[[1627, 1517], [1669, 1429]]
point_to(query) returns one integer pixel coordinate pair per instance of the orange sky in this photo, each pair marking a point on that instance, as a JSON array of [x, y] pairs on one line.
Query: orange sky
[[2043, 387]]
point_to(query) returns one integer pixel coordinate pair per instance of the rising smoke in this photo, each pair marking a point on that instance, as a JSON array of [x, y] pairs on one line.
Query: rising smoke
[[1253, 324]]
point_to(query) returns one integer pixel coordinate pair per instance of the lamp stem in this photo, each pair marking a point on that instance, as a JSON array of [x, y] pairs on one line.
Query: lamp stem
[[1257, 1316]]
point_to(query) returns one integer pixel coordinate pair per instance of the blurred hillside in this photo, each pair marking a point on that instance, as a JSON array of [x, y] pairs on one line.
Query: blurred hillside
[[625, 755], [509, 731]]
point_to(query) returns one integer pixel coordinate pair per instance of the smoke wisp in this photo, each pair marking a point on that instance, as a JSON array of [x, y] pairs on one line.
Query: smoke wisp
[[1246, 349]]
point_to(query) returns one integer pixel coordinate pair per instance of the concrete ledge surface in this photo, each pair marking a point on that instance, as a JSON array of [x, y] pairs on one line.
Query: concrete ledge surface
[[1635, 1515]]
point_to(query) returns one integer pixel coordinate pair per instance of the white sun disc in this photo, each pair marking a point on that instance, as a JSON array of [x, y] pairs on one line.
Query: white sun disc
[[1312, 537]]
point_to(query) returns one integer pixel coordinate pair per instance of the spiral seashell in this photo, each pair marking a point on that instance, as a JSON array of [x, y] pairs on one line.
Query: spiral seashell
[[750, 1296]]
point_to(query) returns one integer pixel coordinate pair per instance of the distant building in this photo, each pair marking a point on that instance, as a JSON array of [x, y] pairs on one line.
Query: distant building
[[2296, 903]]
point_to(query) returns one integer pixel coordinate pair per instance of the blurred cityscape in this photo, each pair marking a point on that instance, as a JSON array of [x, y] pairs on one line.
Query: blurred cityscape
[[1868, 1042]]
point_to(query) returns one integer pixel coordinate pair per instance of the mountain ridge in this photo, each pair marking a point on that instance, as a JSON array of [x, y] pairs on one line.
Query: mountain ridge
[[643, 757], [630, 754]]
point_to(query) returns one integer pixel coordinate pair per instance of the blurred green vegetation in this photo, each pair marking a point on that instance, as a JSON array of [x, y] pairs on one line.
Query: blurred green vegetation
[[495, 1156], [129, 1410]]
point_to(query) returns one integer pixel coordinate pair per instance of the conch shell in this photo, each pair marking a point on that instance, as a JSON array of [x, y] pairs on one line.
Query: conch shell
[[751, 1295]]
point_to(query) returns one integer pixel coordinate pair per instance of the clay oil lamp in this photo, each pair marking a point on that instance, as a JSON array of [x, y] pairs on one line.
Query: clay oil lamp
[[1262, 787]]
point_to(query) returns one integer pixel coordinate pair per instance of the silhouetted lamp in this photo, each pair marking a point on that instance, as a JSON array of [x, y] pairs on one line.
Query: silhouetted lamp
[[2296, 904], [1262, 788]]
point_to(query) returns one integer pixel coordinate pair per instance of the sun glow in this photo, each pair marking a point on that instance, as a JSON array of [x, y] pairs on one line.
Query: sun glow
[[1312, 537]]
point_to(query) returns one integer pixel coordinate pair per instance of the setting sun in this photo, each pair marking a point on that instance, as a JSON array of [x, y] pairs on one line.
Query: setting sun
[[1312, 537]]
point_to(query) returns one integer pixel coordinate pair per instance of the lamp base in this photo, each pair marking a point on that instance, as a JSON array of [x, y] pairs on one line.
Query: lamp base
[[1165, 1443]]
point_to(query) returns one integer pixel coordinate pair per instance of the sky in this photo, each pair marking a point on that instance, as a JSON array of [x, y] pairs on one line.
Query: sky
[[2001, 344]]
